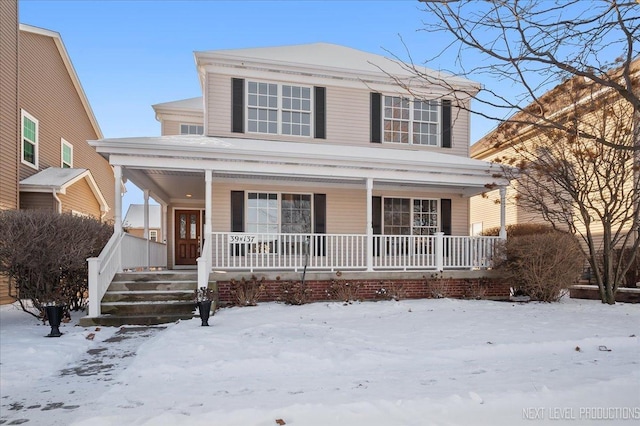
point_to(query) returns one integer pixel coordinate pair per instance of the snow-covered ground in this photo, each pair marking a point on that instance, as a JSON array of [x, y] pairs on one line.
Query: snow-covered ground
[[418, 362]]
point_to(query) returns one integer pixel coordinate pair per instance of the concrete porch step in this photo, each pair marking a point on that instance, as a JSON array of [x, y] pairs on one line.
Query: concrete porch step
[[170, 307], [148, 296], [120, 320], [158, 285]]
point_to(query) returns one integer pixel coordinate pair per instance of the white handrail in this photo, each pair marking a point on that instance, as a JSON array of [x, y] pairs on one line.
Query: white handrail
[[102, 269], [204, 264]]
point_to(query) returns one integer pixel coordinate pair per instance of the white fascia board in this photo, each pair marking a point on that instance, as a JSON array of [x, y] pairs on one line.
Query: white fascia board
[[276, 151], [357, 80], [426, 176]]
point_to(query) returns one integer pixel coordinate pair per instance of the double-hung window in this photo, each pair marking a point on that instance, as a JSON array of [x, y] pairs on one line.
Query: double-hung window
[[29, 139], [278, 109], [273, 213], [409, 121], [66, 154], [405, 216]]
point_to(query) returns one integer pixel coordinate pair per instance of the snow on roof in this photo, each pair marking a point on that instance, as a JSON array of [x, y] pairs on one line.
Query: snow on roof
[[53, 177], [135, 216], [327, 55], [194, 104]]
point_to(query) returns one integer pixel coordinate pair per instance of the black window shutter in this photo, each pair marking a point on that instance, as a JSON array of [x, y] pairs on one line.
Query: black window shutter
[[320, 125], [237, 105], [237, 211], [376, 117], [376, 219], [237, 220], [445, 215], [446, 123], [320, 225]]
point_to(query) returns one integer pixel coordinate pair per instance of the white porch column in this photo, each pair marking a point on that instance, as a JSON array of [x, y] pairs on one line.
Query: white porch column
[[146, 227], [164, 223], [369, 224], [208, 177], [117, 210], [503, 213], [146, 214]]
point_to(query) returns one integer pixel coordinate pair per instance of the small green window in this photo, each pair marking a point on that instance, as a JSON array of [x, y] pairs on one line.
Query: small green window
[[67, 155], [29, 139]]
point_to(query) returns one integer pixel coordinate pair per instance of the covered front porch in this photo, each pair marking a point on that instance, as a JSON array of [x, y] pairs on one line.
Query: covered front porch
[[347, 187]]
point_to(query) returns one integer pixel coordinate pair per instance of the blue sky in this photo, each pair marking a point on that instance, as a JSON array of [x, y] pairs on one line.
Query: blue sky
[[130, 55]]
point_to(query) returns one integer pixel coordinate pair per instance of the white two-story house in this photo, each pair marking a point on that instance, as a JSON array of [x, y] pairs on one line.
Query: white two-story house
[[310, 157]]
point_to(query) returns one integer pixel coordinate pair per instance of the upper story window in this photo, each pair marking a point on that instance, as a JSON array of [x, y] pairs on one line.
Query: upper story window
[[411, 121], [29, 139], [66, 154], [191, 129], [278, 109]]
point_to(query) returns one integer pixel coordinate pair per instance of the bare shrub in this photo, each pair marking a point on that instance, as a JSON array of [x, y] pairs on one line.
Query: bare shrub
[[475, 289], [344, 291], [247, 292], [45, 254], [519, 229], [295, 293], [390, 290], [438, 286], [542, 265]]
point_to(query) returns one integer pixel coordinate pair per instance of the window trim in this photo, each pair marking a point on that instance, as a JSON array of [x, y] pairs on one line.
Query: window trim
[[411, 212], [279, 108], [411, 121], [24, 114], [64, 143]]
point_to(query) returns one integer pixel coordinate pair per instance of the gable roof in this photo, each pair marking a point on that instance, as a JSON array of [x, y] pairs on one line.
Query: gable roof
[[70, 70], [135, 216], [58, 179], [191, 104], [333, 59]]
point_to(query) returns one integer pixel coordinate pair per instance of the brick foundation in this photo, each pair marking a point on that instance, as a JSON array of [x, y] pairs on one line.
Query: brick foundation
[[372, 289]]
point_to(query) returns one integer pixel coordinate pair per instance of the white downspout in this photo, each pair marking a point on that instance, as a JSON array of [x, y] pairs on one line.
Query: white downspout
[[58, 201]]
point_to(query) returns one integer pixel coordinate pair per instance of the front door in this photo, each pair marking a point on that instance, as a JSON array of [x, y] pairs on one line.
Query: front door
[[187, 236]]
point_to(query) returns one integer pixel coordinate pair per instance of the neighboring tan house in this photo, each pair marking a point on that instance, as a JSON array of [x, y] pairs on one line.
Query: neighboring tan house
[[134, 222], [308, 157], [574, 96], [45, 122]]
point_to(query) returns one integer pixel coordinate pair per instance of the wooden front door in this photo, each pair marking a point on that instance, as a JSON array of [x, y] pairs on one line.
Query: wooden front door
[[187, 238]]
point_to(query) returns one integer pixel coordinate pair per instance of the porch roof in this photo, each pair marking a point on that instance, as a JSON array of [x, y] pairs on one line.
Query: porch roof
[[240, 157]]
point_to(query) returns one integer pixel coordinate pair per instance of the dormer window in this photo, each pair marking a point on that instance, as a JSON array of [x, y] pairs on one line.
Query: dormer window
[[278, 109]]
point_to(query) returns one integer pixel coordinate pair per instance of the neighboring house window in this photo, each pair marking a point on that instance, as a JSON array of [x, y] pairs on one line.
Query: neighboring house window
[[476, 229], [153, 235], [29, 139], [278, 109], [191, 129], [404, 216], [411, 121], [66, 154], [269, 213]]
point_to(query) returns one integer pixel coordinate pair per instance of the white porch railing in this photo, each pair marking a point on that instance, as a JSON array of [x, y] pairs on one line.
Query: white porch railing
[[244, 251], [122, 251]]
